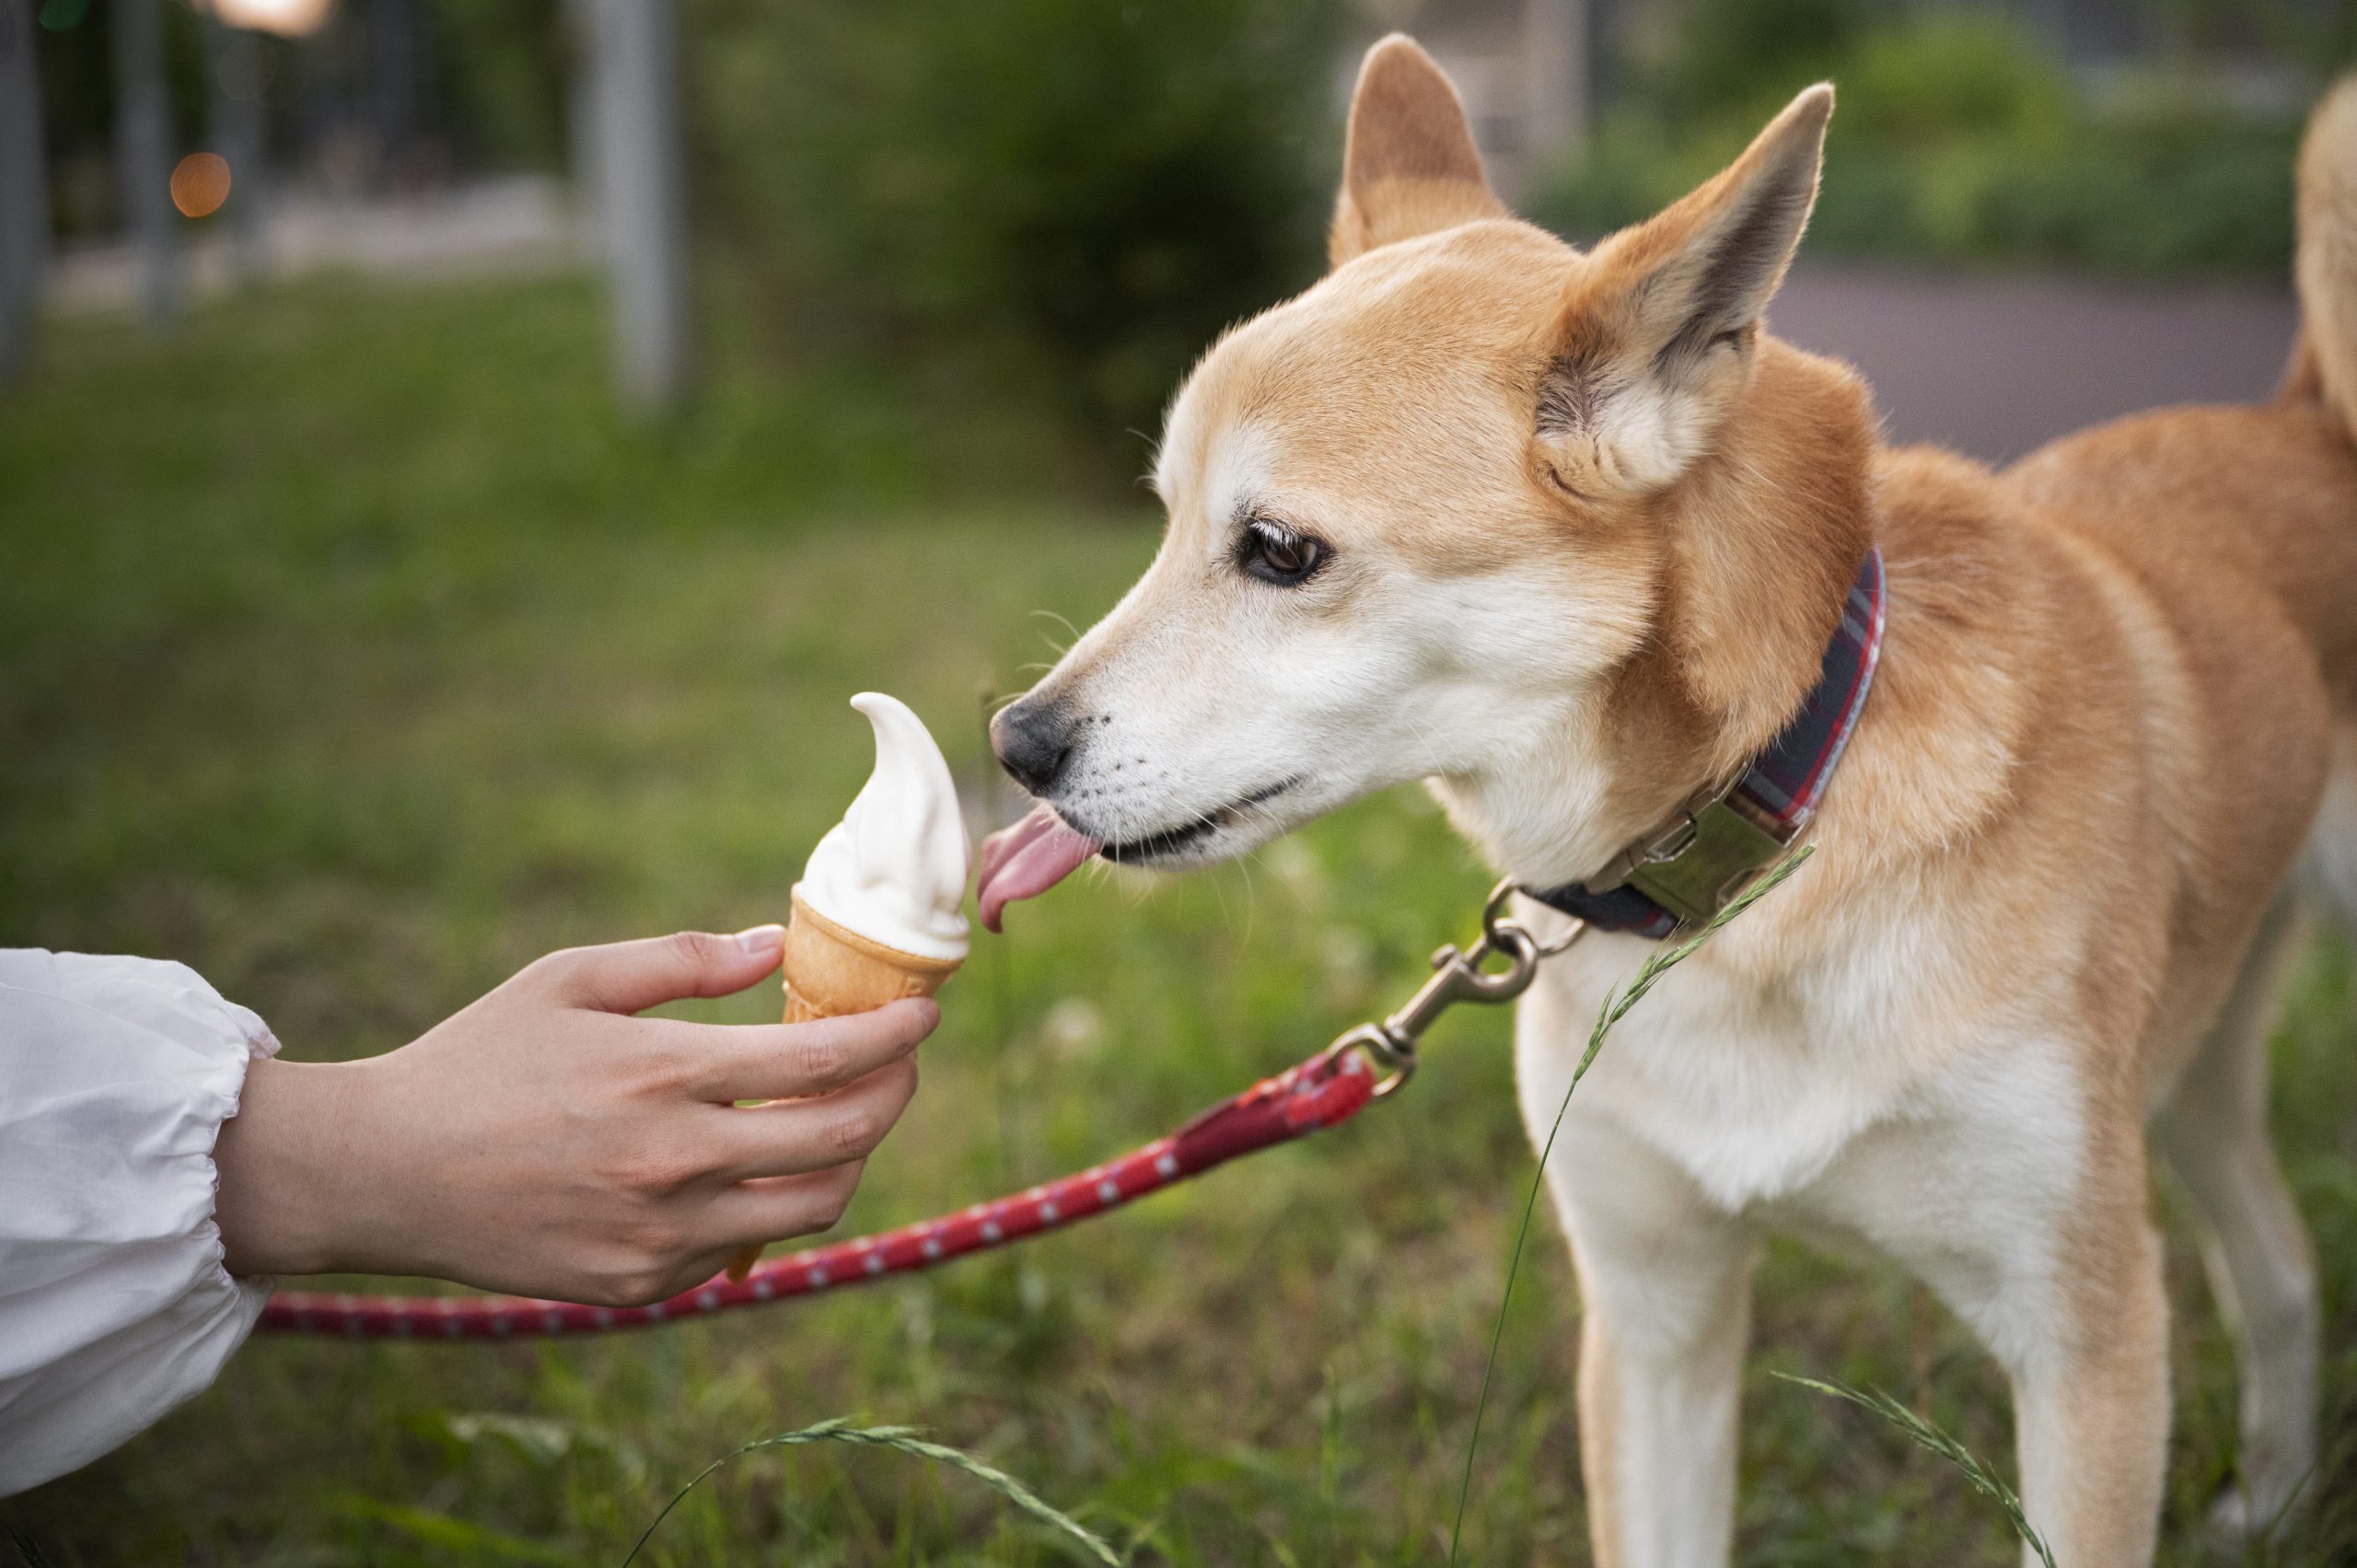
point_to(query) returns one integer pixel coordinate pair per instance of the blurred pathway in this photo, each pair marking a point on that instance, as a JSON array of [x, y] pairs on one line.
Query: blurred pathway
[[514, 224], [1994, 365]]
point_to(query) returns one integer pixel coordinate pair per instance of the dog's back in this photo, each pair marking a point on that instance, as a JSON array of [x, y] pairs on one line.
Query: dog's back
[[2172, 489], [2170, 494]]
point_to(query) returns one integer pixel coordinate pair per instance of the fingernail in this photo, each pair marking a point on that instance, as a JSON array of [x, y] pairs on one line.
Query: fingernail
[[761, 938]]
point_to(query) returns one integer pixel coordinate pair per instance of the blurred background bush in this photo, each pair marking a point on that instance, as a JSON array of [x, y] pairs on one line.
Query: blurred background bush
[[1965, 136], [1083, 194]]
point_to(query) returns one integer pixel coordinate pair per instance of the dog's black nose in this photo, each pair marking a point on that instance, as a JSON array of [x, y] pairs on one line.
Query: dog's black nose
[[1033, 741]]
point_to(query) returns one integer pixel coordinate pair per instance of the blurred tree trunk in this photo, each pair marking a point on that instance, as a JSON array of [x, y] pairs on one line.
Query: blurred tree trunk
[[402, 110], [235, 124], [143, 154], [640, 189], [24, 186], [581, 120]]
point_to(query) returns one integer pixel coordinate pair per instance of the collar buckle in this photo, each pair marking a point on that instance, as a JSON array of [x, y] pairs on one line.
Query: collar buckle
[[1682, 875], [1701, 863]]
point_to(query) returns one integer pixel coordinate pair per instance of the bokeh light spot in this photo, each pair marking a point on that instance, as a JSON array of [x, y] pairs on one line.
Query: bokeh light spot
[[61, 16], [287, 19], [200, 185]]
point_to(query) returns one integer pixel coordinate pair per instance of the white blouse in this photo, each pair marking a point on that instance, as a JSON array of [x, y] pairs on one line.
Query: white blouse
[[115, 1076]]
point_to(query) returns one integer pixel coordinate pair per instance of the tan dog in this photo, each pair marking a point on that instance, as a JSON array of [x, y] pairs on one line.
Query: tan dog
[[1565, 534]]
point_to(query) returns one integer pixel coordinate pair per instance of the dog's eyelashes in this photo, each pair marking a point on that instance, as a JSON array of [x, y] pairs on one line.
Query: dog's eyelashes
[[1278, 556]]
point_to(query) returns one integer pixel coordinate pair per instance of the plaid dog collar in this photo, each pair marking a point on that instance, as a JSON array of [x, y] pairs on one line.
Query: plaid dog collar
[[1693, 868]]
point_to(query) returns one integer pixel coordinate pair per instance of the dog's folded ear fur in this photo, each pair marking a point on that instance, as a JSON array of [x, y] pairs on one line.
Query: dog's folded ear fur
[[1652, 347], [1409, 166]]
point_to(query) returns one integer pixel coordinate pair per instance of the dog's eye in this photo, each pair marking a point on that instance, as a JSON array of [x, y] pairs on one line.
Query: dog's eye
[[1277, 555]]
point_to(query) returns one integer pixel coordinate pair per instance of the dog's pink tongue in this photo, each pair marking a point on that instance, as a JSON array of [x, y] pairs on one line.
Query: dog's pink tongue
[[1027, 859]]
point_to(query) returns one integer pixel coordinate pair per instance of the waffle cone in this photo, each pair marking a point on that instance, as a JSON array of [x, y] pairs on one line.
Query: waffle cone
[[831, 970]]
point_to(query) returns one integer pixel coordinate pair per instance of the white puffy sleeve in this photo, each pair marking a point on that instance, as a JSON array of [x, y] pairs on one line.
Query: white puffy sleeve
[[115, 1076]]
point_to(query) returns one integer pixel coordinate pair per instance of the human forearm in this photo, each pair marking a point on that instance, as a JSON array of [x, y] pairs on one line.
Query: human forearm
[[292, 1173], [545, 1142]]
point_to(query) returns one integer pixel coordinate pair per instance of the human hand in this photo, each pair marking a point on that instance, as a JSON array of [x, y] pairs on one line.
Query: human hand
[[546, 1142]]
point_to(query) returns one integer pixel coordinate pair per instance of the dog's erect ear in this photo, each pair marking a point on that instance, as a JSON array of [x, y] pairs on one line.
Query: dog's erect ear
[[1654, 344], [1706, 267], [1409, 166]]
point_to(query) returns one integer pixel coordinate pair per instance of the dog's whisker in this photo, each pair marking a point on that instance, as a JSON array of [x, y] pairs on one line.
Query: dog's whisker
[[1071, 633]]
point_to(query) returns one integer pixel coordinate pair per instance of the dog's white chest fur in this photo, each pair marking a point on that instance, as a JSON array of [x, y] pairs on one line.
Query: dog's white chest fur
[[1729, 1086], [1814, 1107]]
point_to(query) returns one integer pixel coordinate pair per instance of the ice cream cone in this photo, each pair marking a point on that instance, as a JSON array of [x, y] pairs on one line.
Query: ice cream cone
[[831, 970], [891, 876]]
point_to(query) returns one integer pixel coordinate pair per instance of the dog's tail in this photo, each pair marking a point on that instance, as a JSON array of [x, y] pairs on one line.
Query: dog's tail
[[2324, 369], [2324, 365]]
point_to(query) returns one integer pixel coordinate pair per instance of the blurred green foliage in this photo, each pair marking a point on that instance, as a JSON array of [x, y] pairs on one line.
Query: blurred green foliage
[[500, 68], [1073, 193], [1957, 138]]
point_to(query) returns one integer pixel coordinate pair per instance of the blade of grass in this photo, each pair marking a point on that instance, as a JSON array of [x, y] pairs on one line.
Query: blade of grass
[[904, 1440], [1615, 1008], [1927, 1435], [27, 1548], [458, 1538]]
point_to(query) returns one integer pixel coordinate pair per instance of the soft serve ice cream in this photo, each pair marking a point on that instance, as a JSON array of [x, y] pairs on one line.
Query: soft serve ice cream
[[879, 913], [894, 869]]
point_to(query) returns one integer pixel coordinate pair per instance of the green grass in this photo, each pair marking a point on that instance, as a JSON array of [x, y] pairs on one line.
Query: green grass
[[351, 652]]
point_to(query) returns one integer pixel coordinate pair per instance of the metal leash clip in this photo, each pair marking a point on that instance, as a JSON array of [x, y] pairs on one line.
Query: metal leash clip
[[1456, 977]]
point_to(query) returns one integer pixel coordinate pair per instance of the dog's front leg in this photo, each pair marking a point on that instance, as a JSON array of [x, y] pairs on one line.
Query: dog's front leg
[[2091, 1401], [1664, 1290], [2024, 1207]]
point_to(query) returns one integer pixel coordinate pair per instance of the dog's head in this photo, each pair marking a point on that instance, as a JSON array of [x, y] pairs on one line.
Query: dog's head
[[1477, 504]]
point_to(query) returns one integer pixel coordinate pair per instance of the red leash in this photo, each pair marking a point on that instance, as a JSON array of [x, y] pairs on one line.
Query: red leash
[[1325, 1091]]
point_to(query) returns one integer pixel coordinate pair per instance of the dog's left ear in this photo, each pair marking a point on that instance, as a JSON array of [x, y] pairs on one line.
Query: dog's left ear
[[1655, 345], [1409, 165]]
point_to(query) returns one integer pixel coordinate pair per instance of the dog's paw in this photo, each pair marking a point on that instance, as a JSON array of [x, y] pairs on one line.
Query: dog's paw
[[2228, 1527], [2240, 1520]]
